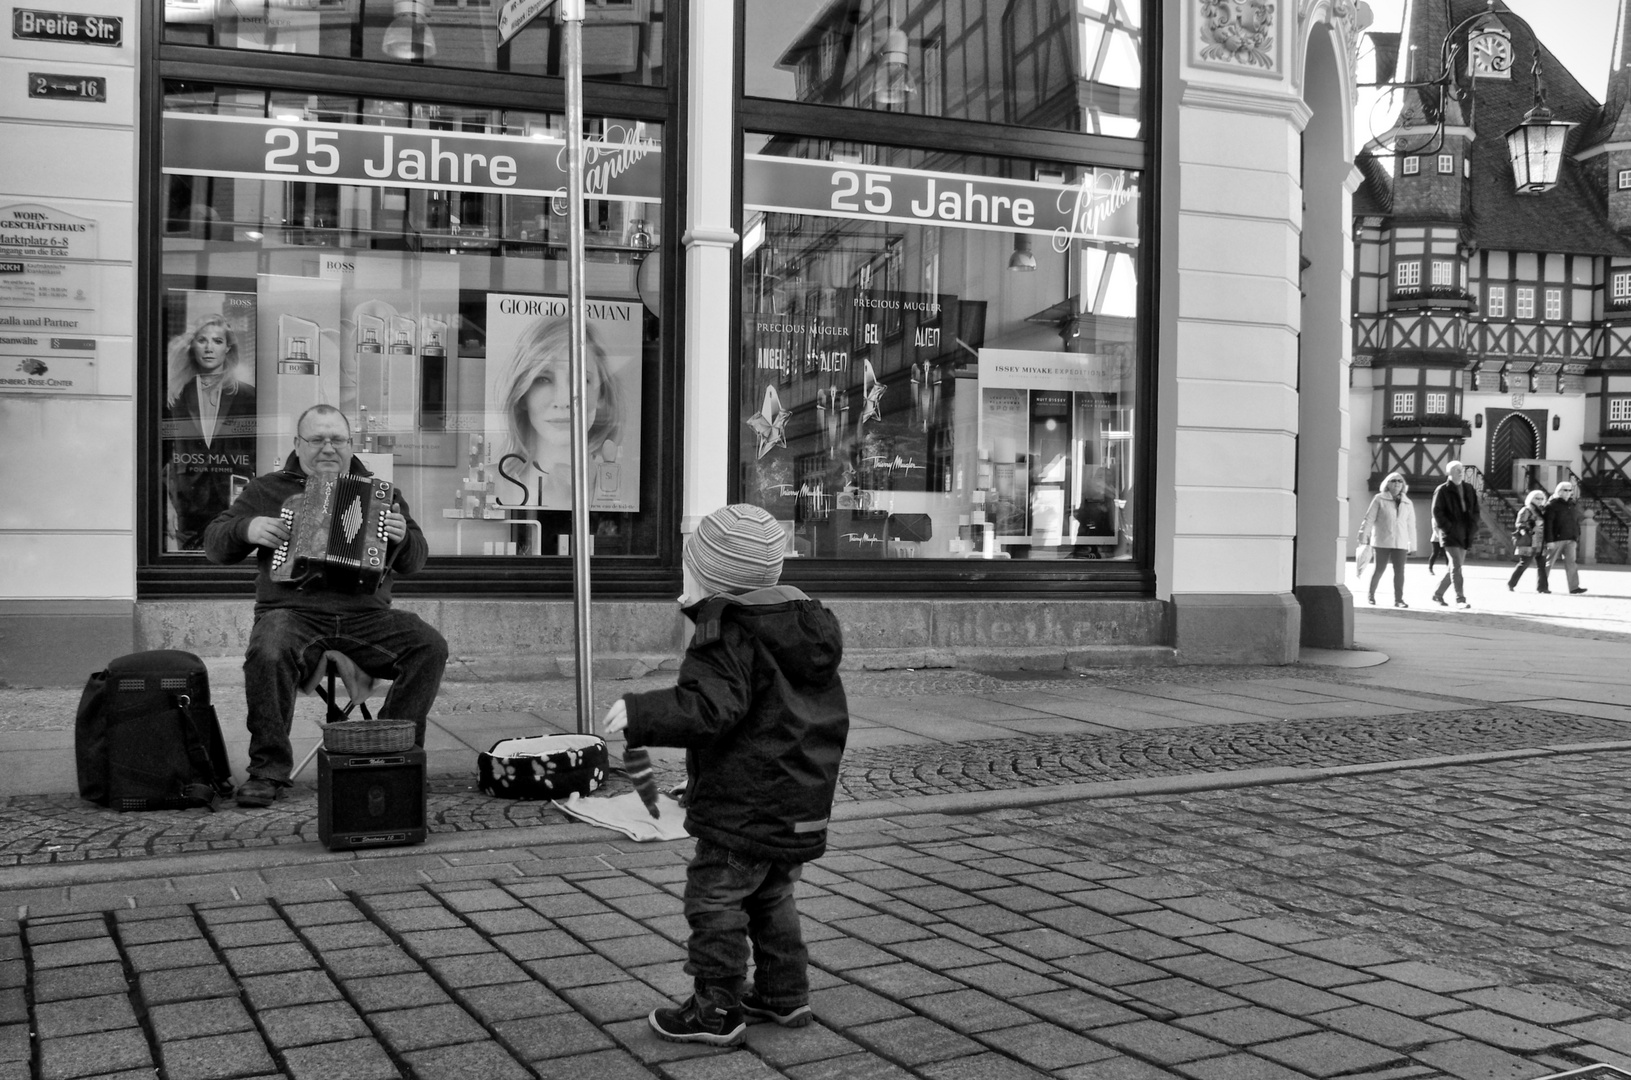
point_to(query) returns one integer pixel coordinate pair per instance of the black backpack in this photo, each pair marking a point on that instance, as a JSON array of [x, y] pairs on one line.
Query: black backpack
[[146, 737]]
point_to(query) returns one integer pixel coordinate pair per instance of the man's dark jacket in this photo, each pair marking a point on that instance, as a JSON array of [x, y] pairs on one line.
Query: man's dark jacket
[[1562, 517], [761, 713], [1456, 519], [226, 541]]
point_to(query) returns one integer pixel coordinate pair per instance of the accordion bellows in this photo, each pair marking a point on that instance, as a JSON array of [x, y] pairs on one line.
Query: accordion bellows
[[543, 766], [337, 532]]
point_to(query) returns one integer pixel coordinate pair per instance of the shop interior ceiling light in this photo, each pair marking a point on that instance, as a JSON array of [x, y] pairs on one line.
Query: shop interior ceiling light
[[409, 36]]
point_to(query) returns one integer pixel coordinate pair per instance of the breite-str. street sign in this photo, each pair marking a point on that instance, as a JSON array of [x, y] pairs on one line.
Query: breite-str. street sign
[[623, 166], [66, 26]]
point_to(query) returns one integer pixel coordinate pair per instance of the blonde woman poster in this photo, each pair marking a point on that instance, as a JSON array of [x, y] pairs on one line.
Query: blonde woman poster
[[529, 402], [208, 427]]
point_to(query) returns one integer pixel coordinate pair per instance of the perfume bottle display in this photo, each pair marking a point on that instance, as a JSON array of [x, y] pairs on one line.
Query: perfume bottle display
[[433, 376], [297, 346]]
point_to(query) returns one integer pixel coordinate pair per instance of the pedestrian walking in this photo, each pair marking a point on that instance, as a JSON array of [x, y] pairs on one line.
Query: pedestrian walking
[[760, 710], [1563, 531], [1389, 527], [1455, 517], [1527, 543]]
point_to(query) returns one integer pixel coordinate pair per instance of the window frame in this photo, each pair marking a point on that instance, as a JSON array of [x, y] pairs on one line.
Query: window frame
[[1446, 164], [925, 577], [1404, 405], [1495, 301], [1523, 302], [1553, 301], [1410, 165], [161, 575]]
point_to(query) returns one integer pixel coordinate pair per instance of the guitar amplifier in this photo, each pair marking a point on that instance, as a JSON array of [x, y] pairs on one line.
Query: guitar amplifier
[[370, 800]]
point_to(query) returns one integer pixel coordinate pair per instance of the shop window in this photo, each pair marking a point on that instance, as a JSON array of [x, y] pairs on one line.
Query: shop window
[[1495, 301], [901, 397], [1446, 164], [1407, 276], [1619, 413], [1438, 404], [1410, 165], [1525, 303], [1033, 63], [433, 317], [623, 40], [1554, 304], [1404, 404]]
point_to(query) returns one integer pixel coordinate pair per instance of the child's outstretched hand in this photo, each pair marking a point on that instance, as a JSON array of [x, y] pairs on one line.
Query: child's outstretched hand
[[617, 718]]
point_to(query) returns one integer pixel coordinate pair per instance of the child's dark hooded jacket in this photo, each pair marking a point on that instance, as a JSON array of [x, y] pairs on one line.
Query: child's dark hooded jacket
[[761, 713]]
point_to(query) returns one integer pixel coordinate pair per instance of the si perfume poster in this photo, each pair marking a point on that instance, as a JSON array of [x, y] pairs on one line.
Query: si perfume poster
[[208, 426], [529, 401]]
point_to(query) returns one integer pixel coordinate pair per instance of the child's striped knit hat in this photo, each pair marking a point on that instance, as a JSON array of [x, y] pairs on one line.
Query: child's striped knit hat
[[736, 549]]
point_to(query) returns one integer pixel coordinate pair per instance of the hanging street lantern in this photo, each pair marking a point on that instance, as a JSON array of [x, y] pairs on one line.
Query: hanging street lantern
[[1536, 144], [1536, 148]]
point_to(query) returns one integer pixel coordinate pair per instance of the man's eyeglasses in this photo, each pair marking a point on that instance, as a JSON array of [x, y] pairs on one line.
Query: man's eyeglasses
[[334, 442]]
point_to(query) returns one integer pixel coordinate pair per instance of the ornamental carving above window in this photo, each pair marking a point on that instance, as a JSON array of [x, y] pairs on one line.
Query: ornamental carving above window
[[1239, 31]]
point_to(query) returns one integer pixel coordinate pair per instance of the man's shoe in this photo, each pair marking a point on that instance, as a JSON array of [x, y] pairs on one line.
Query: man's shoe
[[799, 1016], [699, 1022], [1463, 605], [257, 793], [1400, 603], [1577, 591], [1440, 601]]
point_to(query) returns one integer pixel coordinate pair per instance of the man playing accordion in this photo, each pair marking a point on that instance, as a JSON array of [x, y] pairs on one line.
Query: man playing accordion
[[297, 621]]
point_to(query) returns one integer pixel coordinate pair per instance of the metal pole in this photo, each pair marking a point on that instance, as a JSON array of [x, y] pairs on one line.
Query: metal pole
[[572, 19]]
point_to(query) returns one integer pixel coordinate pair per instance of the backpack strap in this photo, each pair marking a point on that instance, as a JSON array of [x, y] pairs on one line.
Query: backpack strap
[[198, 756]]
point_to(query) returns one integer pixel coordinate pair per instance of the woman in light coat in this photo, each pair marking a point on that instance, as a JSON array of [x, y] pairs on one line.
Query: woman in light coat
[[1389, 527], [1530, 528]]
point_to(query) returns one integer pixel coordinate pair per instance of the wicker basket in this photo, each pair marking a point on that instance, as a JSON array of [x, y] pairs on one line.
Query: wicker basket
[[368, 736]]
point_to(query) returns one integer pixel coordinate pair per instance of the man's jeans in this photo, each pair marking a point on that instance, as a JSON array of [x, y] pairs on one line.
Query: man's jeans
[[285, 644], [1457, 557], [731, 899], [1565, 550]]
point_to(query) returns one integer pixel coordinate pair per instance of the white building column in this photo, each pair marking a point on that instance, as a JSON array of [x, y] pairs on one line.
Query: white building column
[[710, 245], [68, 441], [1227, 374]]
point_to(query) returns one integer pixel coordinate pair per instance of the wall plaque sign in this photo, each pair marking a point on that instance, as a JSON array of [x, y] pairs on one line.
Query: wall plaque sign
[[66, 26], [34, 363], [67, 87]]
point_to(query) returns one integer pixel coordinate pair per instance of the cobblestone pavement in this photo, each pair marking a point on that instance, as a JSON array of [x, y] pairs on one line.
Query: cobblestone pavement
[[1463, 922], [65, 828]]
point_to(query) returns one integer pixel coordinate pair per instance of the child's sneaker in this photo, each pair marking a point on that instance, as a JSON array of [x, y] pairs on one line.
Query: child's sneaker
[[701, 1022], [798, 1016]]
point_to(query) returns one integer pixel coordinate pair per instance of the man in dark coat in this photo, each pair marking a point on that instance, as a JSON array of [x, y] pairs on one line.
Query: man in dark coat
[[1455, 520], [297, 621]]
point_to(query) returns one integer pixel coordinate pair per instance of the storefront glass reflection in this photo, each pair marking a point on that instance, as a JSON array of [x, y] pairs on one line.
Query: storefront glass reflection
[[366, 254], [622, 39], [1071, 65], [940, 352]]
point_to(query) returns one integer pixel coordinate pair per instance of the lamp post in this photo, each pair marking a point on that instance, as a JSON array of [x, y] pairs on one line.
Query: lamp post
[[514, 15]]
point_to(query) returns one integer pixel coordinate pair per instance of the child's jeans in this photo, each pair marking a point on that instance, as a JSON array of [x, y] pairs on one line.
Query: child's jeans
[[731, 899]]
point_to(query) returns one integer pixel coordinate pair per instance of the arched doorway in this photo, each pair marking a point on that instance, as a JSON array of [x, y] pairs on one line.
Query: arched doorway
[[1513, 435], [1324, 346]]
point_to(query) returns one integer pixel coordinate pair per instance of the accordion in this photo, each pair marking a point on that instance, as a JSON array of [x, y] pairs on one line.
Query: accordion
[[336, 532]]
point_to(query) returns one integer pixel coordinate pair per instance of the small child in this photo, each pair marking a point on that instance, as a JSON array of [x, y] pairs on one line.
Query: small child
[[761, 713]]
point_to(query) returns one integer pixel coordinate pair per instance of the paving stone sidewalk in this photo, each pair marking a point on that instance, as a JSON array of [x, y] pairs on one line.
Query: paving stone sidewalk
[[1459, 922]]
